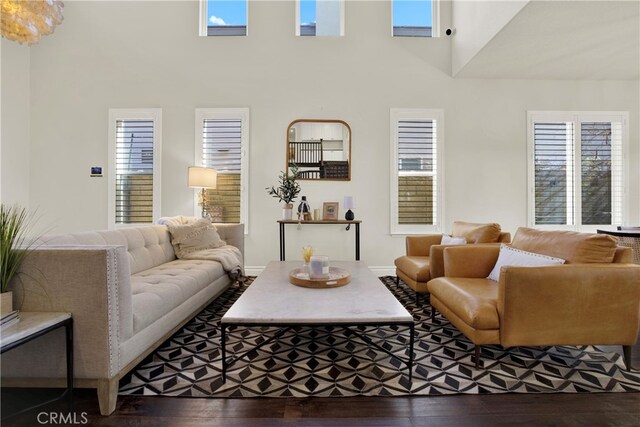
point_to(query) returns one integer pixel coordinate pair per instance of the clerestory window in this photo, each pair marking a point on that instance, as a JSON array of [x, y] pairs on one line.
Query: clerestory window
[[320, 18], [223, 17], [414, 18]]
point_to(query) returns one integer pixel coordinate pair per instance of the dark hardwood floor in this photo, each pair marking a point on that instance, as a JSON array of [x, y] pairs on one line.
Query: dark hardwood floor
[[593, 409]]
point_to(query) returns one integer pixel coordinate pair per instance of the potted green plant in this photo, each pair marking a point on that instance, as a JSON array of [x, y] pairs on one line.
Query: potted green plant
[[15, 224], [287, 191]]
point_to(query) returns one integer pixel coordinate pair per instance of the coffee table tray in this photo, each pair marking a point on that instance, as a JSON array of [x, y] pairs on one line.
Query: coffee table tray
[[337, 277]]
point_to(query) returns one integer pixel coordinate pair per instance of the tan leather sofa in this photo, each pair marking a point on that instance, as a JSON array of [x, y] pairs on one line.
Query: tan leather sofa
[[594, 298], [424, 254]]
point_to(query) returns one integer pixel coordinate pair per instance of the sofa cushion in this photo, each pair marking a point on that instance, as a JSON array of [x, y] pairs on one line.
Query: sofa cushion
[[475, 301], [571, 246], [416, 267], [476, 233], [515, 257], [157, 291], [197, 236]]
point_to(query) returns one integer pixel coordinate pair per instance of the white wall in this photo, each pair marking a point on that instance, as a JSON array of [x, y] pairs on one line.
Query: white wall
[[130, 54], [14, 151], [476, 23]]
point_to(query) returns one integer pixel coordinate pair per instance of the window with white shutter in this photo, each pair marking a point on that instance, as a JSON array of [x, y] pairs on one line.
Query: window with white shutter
[[416, 203], [222, 143], [576, 169], [134, 193]]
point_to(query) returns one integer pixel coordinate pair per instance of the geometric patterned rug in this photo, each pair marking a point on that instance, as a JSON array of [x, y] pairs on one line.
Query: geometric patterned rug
[[331, 361]]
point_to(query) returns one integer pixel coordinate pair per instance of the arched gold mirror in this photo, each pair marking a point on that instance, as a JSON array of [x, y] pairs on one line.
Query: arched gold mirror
[[321, 149]]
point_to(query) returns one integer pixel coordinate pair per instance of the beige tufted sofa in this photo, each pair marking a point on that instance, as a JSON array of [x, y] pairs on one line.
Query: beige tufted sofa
[[127, 293]]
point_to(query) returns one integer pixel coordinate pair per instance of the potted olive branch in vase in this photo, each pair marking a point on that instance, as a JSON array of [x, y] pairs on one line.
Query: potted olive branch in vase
[[287, 191]]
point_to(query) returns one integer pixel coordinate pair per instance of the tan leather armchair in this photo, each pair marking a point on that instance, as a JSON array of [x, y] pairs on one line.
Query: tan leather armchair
[[423, 259], [582, 302]]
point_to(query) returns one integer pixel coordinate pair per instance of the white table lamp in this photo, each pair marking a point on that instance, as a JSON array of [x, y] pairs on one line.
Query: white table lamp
[[201, 177], [348, 205]]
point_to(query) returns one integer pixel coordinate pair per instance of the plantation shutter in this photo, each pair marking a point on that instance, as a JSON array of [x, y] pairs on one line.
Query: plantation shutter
[[222, 150], [578, 171], [601, 163], [417, 168], [553, 159], [134, 171]]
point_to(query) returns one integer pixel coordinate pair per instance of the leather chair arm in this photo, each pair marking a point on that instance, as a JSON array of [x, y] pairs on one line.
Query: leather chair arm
[[570, 304], [436, 260], [505, 237], [420, 245], [471, 261]]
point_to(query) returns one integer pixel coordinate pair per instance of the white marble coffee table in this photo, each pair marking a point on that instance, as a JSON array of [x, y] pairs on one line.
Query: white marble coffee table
[[272, 301]]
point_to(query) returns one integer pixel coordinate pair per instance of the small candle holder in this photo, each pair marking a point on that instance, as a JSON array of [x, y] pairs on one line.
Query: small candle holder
[[319, 267]]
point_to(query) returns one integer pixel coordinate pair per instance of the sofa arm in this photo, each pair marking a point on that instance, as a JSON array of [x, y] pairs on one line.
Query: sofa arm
[[471, 261], [573, 304], [420, 245], [93, 284], [436, 258], [233, 234]]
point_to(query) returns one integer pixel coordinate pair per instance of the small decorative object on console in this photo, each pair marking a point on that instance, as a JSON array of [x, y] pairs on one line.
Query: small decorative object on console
[[304, 210], [330, 211], [287, 191], [348, 205]]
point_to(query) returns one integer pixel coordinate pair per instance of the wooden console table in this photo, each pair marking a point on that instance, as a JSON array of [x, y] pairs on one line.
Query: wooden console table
[[356, 222]]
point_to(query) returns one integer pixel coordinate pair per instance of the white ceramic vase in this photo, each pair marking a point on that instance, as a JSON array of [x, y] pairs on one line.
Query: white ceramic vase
[[287, 212]]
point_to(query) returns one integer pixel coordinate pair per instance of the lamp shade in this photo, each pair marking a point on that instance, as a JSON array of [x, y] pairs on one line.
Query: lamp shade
[[200, 177], [348, 202]]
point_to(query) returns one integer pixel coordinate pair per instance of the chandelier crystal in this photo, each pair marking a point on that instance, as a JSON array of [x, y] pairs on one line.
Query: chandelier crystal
[[29, 20]]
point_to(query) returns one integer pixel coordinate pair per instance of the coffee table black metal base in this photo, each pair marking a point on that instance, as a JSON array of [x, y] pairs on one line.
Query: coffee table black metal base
[[286, 326]]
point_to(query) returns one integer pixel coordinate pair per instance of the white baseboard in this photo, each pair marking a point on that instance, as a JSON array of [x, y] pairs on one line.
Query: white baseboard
[[253, 270], [378, 271]]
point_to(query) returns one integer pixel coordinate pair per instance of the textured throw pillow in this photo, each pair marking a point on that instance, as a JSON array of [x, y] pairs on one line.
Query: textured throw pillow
[[195, 236], [476, 233], [449, 240], [515, 257]]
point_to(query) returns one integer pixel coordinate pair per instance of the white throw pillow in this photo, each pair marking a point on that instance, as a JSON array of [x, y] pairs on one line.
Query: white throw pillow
[[177, 220], [195, 236], [450, 240], [515, 257]]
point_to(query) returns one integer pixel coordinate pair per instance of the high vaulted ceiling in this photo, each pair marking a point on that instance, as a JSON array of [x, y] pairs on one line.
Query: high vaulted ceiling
[[564, 40]]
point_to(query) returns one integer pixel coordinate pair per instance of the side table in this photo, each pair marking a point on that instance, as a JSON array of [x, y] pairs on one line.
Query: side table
[[31, 326]]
